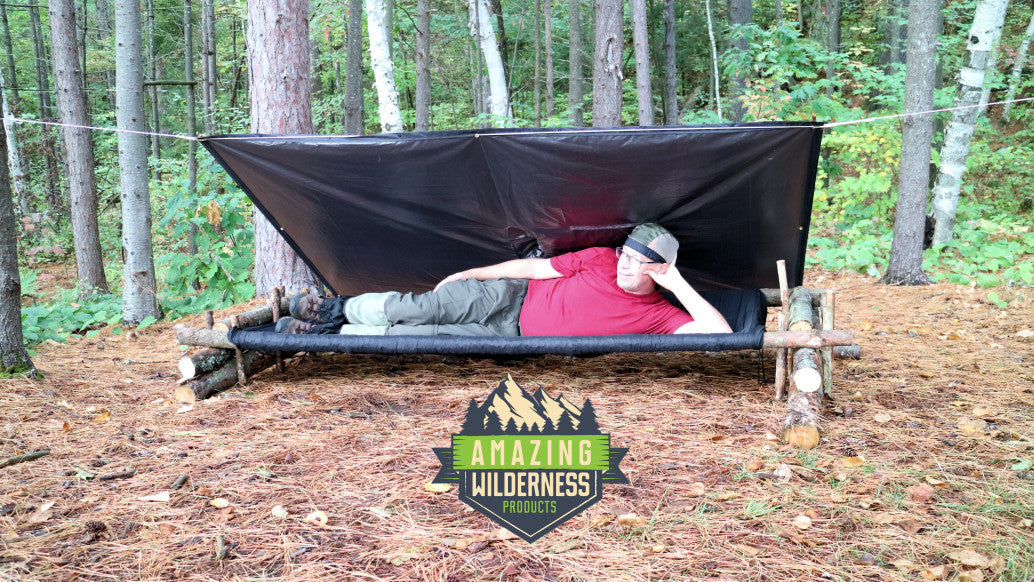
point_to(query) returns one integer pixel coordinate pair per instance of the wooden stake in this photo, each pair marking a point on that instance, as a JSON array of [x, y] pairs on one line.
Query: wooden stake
[[241, 376], [780, 371], [274, 304], [209, 319], [210, 338], [826, 308]]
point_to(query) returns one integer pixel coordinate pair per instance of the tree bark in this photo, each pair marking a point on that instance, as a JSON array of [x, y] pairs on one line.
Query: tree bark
[[987, 26], [641, 41], [209, 73], [281, 102], [354, 69], [383, 67], [498, 104], [537, 81], [13, 357], [576, 76], [716, 82], [46, 110], [832, 40], [807, 339], [104, 30], [78, 148], [671, 102], [12, 108], [188, 76], [906, 251], [423, 65], [547, 40], [138, 283], [203, 362], [739, 15], [607, 61], [156, 90], [1017, 68], [209, 338]]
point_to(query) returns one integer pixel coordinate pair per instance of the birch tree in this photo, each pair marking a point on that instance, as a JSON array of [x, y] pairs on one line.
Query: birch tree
[[139, 300], [383, 67], [78, 149], [641, 42], [606, 63], [1017, 68], [13, 357], [987, 26], [480, 20], [906, 252], [281, 103]]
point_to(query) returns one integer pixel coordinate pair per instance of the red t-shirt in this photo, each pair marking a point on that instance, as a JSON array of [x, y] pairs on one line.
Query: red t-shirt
[[586, 300]]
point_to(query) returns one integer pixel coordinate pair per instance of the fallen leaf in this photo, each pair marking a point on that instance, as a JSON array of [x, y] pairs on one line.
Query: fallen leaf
[[42, 514], [631, 520], [1021, 464], [1025, 523], [166, 529], [921, 493], [498, 535], [163, 496], [755, 465], [185, 408], [103, 417], [219, 502], [317, 518], [783, 472], [904, 565], [934, 573], [972, 425], [280, 512], [981, 412], [697, 489], [67, 427], [881, 418], [658, 548], [771, 436], [971, 557], [853, 461], [837, 497], [971, 576], [726, 496], [911, 526], [936, 482], [601, 520], [748, 550], [866, 559], [437, 487], [802, 522]]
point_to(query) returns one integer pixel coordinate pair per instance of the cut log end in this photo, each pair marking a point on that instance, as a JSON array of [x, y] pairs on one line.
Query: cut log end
[[807, 379], [184, 393]]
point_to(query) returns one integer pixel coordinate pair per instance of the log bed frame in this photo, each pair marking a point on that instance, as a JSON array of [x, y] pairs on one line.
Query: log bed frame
[[805, 344]]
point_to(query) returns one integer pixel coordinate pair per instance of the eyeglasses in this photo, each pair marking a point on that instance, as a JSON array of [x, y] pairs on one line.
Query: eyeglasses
[[635, 261]]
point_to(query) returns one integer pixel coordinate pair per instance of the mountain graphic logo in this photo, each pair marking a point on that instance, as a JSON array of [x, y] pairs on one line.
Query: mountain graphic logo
[[530, 462]]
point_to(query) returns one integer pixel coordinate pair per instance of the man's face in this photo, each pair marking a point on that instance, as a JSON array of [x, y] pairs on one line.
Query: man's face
[[309, 306], [632, 271]]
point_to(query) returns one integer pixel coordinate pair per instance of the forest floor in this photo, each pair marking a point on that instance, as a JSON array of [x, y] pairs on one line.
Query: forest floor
[[924, 470]]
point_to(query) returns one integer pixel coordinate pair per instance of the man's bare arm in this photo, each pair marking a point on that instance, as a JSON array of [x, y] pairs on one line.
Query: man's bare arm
[[515, 269], [706, 319]]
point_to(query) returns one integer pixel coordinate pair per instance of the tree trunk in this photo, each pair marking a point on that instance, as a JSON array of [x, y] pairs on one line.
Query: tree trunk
[[79, 157], [716, 82], [13, 357], [641, 40], [354, 69], [671, 102], [203, 362], [209, 74], [104, 30], [423, 65], [537, 81], [46, 110], [278, 67], [906, 251], [739, 15], [895, 35], [383, 68], [498, 104], [12, 108], [987, 25], [832, 40], [138, 284], [576, 80], [1017, 68], [547, 40], [606, 63], [188, 76], [152, 64]]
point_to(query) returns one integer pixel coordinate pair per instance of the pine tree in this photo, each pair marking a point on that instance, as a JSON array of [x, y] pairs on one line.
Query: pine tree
[[474, 421], [587, 422]]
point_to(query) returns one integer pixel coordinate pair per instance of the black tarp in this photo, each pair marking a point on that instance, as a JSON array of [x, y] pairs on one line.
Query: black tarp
[[400, 212]]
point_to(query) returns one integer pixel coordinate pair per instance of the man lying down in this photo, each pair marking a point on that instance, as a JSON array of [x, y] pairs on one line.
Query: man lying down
[[596, 291]]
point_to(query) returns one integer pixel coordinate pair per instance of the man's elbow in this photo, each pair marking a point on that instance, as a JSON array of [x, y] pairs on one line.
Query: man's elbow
[[705, 327]]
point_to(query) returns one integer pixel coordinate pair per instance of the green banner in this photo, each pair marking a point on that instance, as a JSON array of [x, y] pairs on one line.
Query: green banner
[[584, 452]]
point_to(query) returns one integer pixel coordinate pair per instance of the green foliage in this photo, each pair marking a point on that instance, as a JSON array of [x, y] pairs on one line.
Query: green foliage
[[64, 314], [222, 265]]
